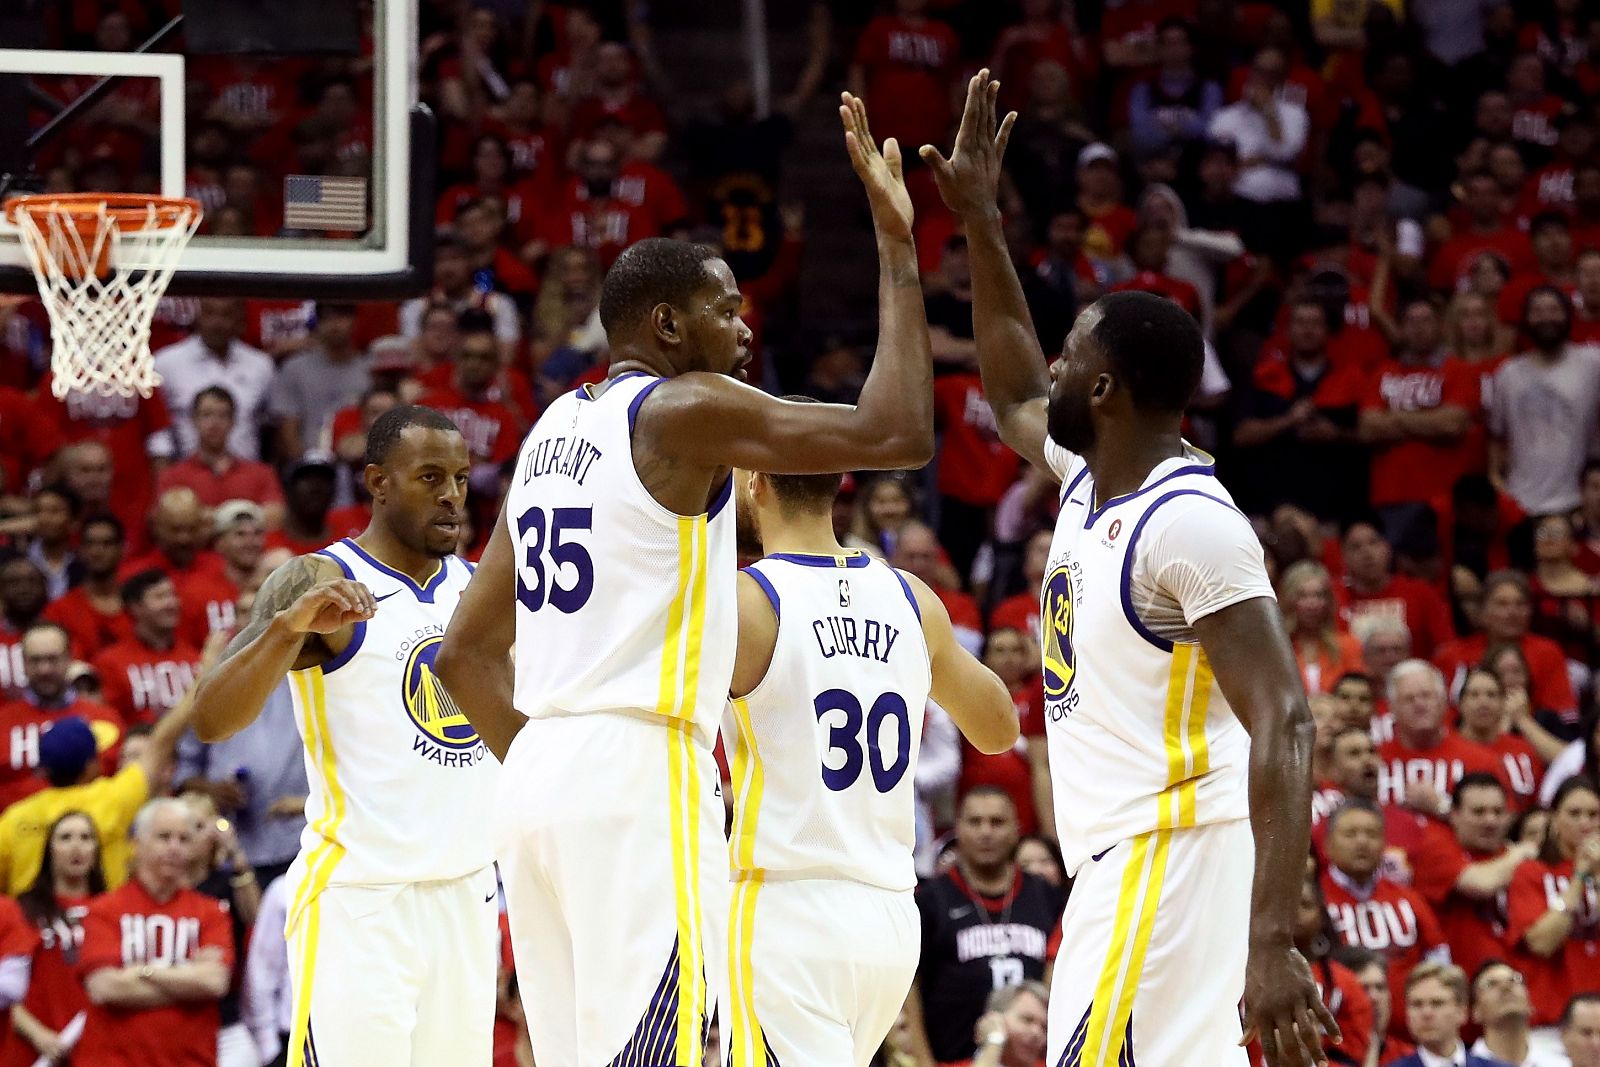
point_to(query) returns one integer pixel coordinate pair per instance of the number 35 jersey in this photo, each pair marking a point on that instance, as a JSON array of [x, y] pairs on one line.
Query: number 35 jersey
[[621, 604], [1140, 736], [824, 766]]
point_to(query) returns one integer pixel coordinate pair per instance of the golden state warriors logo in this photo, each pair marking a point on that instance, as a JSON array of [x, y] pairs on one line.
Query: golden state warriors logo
[[429, 706], [1055, 625]]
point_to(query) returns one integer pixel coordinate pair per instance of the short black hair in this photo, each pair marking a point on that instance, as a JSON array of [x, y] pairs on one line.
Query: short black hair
[[475, 320], [1474, 780], [657, 270], [1572, 1005], [1353, 804], [389, 427], [214, 392], [134, 589], [1154, 348], [1355, 676], [1546, 290], [804, 493], [1549, 220]]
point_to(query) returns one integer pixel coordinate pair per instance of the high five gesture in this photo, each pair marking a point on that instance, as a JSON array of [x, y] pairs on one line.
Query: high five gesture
[[882, 172], [969, 180]]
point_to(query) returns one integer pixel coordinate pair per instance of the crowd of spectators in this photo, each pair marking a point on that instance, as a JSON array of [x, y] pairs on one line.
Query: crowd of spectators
[[1385, 214]]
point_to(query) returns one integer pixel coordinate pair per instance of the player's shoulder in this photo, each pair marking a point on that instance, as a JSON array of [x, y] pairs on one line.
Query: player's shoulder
[[1196, 512]]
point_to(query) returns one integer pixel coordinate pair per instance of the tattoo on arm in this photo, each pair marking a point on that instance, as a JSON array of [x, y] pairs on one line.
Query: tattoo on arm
[[281, 589]]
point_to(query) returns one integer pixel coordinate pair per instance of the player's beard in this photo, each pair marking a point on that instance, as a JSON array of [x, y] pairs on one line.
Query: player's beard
[[1068, 422]]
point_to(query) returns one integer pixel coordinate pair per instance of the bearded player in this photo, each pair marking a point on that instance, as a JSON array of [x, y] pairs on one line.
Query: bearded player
[[393, 919], [1179, 738]]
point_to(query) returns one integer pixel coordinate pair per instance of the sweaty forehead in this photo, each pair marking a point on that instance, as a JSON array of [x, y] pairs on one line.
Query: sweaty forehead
[[720, 282], [425, 446]]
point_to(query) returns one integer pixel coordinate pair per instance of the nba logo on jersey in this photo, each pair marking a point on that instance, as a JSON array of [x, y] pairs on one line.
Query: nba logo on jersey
[[447, 737], [844, 592], [1056, 623]]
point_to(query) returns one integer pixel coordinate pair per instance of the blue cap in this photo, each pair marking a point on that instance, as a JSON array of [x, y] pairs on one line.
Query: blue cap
[[68, 746]]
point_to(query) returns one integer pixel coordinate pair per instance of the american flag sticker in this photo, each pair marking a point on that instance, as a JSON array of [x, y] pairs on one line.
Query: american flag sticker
[[313, 202]]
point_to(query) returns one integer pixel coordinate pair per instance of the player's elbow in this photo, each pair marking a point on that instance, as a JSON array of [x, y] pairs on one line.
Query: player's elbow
[[907, 451], [1000, 726], [210, 723], [449, 666]]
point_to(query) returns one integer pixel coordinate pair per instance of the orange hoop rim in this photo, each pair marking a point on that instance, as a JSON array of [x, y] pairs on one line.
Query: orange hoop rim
[[85, 211]]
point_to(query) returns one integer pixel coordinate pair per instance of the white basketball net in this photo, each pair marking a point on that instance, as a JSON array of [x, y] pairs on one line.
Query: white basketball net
[[100, 326]]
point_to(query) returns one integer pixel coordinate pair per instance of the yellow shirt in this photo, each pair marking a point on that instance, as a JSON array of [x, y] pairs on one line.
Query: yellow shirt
[[110, 802], [1352, 12]]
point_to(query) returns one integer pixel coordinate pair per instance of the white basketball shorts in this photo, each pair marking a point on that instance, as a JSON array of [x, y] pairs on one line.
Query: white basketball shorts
[[818, 971], [609, 838], [402, 975], [1153, 945]]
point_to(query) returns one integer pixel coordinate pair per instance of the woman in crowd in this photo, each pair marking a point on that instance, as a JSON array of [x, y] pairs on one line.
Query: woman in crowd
[[1565, 595], [1484, 720], [55, 903], [1042, 857], [1505, 617], [1539, 725], [887, 505], [1323, 651], [1553, 914]]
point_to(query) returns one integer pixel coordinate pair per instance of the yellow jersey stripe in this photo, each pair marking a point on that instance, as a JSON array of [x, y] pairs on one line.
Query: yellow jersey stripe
[[1096, 1038], [750, 1042], [1141, 943], [684, 728], [302, 998], [326, 856], [678, 816], [1195, 735], [667, 697], [1172, 734]]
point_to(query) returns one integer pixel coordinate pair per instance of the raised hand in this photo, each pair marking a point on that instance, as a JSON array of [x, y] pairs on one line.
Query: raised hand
[[1283, 1009], [881, 172], [329, 606], [969, 181]]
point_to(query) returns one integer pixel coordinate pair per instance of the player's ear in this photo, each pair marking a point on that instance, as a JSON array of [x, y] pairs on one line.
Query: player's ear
[[664, 324], [375, 479], [1104, 385]]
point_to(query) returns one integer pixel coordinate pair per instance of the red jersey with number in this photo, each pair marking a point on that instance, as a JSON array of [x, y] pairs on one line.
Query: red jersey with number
[[1176, 290], [127, 927], [12, 679], [55, 991], [909, 65], [1575, 966], [1475, 928], [1403, 599], [142, 683], [1440, 766], [26, 439], [23, 722], [210, 603], [1521, 769], [90, 631], [1010, 770], [975, 466], [1391, 920]]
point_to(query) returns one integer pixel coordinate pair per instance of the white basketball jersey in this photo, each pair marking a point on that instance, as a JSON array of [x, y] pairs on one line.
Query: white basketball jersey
[[825, 762], [399, 779], [621, 604], [1140, 737]]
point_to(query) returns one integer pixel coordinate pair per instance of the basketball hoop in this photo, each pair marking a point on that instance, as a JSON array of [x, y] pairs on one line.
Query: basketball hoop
[[102, 261]]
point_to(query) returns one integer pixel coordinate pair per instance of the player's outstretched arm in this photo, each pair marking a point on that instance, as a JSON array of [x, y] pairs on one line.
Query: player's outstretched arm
[[474, 663], [164, 736], [714, 421], [1016, 380], [300, 608], [1255, 668], [974, 697]]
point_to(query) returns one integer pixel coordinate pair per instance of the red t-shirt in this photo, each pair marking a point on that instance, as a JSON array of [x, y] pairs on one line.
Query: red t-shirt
[[1521, 769], [156, 560], [210, 602], [1452, 263], [12, 679], [1547, 669], [1347, 1000], [510, 388], [55, 992], [964, 614], [1415, 470], [1020, 612], [909, 65], [1440, 766], [1405, 599], [23, 722], [1405, 833], [141, 683], [1508, 305], [349, 521], [490, 428], [1010, 770], [975, 466], [128, 927], [91, 632], [1574, 967], [243, 480], [26, 439], [607, 225], [124, 425], [1393, 921], [638, 112], [1177, 290], [1475, 929]]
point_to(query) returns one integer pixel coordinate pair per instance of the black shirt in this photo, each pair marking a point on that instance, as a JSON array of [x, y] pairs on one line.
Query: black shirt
[[974, 944]]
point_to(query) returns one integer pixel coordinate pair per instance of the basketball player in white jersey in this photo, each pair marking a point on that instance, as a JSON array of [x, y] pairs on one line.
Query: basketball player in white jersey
[[612, 571], [1175, 718], [393, 919], [838, 654]]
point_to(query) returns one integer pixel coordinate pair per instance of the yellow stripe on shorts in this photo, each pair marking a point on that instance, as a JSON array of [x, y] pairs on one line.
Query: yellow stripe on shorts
[[1118, 984], [749, 1042]]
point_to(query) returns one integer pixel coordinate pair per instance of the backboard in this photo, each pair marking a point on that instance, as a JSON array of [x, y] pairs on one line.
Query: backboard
[[315, 166]]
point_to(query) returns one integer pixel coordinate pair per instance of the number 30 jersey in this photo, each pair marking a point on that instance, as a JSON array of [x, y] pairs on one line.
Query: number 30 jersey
[[622, 606], [825, 760]]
